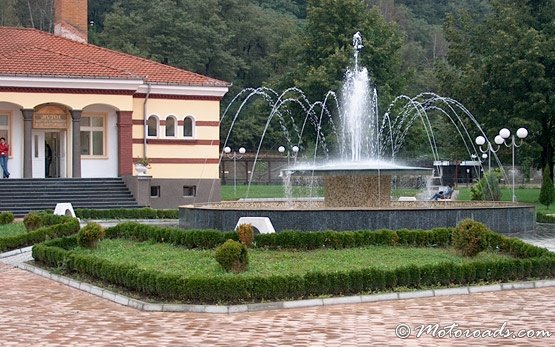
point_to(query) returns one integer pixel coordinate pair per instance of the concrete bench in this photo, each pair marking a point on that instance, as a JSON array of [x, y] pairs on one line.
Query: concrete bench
[[263, 224], [407, 198]]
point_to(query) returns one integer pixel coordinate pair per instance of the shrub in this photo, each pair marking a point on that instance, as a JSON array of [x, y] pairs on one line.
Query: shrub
[[487, 188], [547, 192], [544, 218], [245, 233], [90, 234], [470, 237], [32, 221], [6, 217], [232, 256]]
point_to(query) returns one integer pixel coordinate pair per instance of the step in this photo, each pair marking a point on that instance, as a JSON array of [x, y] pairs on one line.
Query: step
[[23, 195]]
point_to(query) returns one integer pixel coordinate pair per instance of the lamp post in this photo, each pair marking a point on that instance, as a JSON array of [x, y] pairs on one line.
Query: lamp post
[[484, 157], [294, 149], [505, 133], [467, 177], [480, 140], [234, 156]]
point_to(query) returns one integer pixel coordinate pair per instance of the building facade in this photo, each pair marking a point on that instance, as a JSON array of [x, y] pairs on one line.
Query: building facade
[[71, 109]]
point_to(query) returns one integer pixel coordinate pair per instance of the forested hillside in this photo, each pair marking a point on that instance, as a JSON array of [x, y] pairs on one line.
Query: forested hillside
[[241, 40], [497, 57]]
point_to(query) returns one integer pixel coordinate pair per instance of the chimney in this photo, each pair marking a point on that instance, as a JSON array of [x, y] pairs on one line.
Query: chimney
[[70, 19]]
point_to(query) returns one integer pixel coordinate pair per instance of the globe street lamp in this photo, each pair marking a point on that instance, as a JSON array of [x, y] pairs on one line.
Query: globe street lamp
[[294, 149], [480, 141], [475, 158], [505, 133], [234, 156]]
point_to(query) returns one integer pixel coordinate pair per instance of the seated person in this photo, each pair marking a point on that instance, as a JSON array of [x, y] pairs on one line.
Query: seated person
[[443, 195]]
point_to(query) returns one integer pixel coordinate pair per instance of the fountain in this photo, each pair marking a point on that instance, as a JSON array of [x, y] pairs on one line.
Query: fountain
[[357, 185]]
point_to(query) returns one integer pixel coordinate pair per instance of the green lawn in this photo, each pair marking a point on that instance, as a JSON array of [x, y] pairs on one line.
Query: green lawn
[[524, 195], [13, 229], [172, 259]]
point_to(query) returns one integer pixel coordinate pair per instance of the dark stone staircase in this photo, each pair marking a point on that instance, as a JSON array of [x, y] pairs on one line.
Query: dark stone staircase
[[36, 194]]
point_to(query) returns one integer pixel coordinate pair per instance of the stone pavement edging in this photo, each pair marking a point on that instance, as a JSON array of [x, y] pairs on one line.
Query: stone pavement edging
[[229, 309], [15, 252]]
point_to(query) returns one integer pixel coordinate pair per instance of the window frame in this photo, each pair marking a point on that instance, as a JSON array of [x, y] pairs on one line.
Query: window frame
[[92, 129], [157, 127], [8, 129], [193, 127], [174, 126]]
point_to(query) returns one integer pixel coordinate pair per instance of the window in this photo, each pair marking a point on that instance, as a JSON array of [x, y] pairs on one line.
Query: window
[[188, 125], [152, 126], [189, 191], [170, 126], [93, 134], [155, 191], [5, 126]]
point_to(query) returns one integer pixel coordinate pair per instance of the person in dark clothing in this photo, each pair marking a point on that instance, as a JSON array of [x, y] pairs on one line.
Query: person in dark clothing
[[47, 160], [443, 194]]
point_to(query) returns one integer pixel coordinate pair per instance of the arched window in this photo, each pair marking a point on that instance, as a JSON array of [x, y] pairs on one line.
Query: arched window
[[170, 126], [188, 127], [152, 126]]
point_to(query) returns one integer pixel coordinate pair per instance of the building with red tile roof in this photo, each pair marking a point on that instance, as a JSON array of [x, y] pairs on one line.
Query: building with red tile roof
[[100, 110]]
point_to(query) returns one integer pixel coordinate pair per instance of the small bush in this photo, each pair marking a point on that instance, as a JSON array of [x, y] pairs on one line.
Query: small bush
[[487, 188], [470, 237], [6, 217], [245, 233], [32, 221], [232, 256], [90, 234]]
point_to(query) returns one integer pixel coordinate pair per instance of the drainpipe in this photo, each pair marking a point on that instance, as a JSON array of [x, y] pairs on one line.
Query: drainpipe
[[145, 118]]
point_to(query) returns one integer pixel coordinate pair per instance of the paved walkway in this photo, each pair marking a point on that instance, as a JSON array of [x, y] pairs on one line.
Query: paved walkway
[[36, 311]]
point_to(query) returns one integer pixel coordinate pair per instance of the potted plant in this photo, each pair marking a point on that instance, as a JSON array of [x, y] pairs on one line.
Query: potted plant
[[142, 164]]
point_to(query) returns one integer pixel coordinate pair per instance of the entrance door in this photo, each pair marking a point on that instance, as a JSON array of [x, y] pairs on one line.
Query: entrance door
[[38, 154], [52, 154], [48, 154]]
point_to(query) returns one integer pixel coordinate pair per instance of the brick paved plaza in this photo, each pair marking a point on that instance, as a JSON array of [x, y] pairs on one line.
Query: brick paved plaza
[[37, 311]]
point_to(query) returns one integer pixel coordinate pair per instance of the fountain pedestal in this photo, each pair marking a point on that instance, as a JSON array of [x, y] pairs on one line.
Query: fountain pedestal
[[357, 191]]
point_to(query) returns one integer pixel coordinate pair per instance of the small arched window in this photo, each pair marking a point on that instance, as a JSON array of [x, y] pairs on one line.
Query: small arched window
[[152, 126], [170, 126], [188, 127]]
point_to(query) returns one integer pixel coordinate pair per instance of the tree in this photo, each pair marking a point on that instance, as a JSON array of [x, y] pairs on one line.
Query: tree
[[316, 59], [188, 34], [503, 69], [8, 16], [547, 192], [36, 14]]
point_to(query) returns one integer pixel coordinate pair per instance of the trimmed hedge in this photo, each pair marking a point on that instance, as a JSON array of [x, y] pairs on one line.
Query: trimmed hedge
[[52, 226], [542, 217], [529, 262], [204, 239], [438, 237], [130, 213]]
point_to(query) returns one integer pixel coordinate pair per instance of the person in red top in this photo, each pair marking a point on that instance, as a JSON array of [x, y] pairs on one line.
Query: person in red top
[[4, 153]]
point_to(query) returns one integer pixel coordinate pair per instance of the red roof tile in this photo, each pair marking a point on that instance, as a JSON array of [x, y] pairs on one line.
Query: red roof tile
[[31, 52]]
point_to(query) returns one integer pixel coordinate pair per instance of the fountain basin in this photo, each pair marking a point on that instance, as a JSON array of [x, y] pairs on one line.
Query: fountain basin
[[313, 215]]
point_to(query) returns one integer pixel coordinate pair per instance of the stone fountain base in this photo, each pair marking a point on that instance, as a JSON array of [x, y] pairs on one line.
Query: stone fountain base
[[357, 191], [310, 215]]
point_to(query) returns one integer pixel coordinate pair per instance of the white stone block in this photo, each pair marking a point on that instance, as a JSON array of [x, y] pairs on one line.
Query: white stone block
[[64, 209], [263, 224]]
